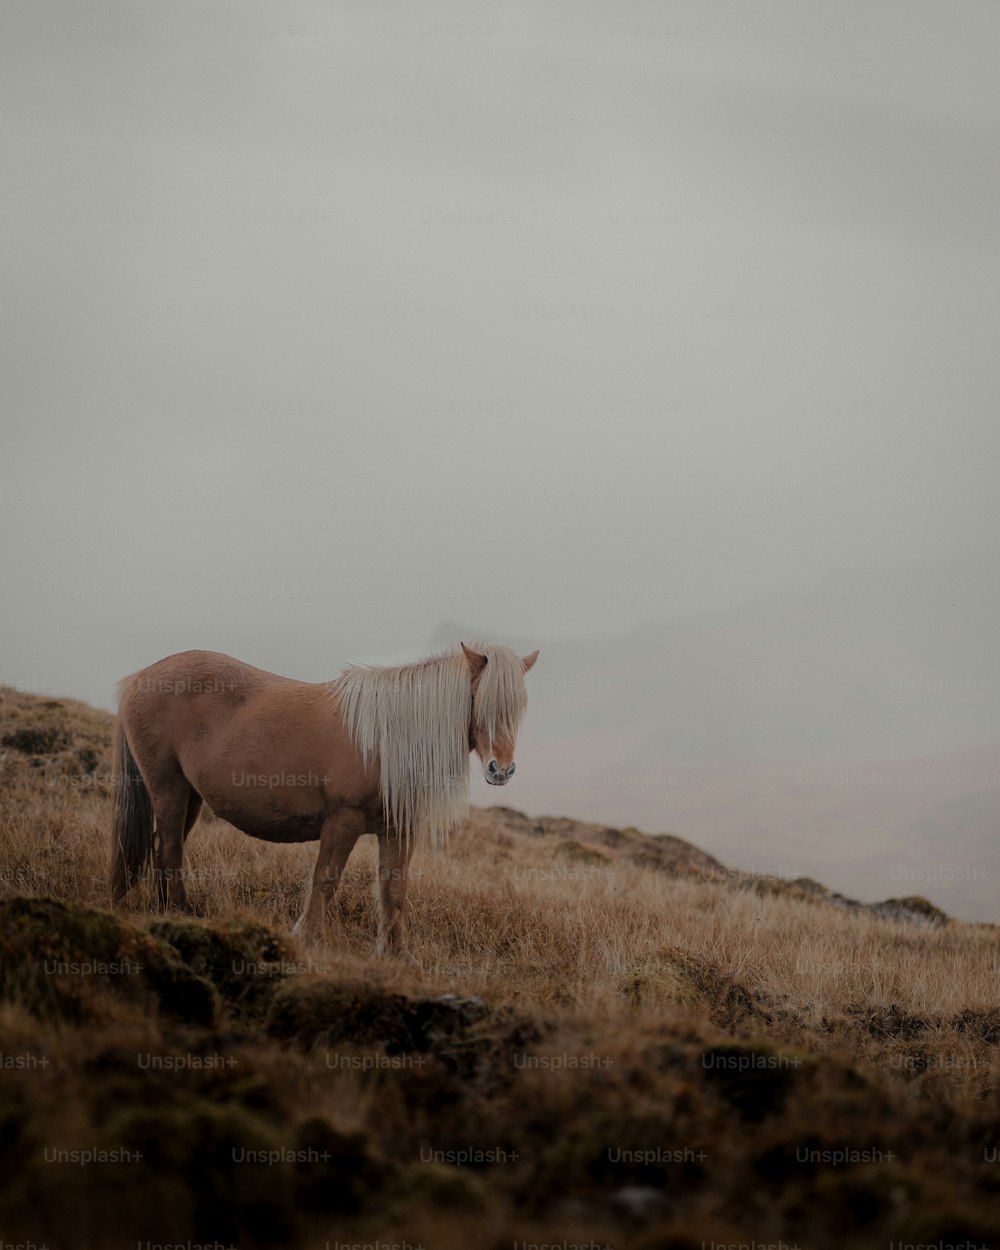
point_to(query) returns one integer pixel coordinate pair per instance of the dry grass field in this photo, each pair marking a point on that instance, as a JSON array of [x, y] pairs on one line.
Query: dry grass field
[[607, 1038]]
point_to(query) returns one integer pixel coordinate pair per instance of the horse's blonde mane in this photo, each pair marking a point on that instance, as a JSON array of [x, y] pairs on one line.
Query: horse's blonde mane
[[415, 719]]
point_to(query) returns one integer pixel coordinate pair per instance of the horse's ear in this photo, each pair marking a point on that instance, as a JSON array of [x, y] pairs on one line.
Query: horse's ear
[[528, 660], [476, 660]]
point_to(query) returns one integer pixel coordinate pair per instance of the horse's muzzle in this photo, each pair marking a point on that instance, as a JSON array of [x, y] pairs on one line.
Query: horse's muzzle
[[498, 776]]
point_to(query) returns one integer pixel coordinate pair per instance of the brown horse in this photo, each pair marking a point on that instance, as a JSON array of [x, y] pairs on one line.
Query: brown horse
[[377, 750]]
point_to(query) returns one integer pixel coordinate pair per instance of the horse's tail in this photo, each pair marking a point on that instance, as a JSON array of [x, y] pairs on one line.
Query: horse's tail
[[132, 822]]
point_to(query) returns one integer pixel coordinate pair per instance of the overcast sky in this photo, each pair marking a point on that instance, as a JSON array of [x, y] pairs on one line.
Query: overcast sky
[[324, 325]]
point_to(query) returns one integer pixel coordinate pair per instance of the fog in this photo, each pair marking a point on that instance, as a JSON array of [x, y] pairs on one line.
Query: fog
[[337, 332]]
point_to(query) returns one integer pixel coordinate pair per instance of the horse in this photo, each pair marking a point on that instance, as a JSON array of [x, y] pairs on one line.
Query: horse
[[381, 750]]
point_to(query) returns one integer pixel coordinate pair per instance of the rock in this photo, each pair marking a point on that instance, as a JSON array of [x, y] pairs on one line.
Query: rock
[[638, 1203]]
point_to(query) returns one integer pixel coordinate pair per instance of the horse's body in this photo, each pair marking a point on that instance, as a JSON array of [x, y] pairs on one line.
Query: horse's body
[[381, 751]]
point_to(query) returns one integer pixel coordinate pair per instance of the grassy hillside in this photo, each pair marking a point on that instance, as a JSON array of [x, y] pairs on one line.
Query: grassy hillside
[[609, 1037]]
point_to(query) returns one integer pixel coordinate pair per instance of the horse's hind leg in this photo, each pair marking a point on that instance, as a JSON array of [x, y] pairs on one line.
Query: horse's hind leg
[[193, 811], [176, 809]]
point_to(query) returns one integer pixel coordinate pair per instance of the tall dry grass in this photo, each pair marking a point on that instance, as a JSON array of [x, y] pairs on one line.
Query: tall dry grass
[[522, 917]]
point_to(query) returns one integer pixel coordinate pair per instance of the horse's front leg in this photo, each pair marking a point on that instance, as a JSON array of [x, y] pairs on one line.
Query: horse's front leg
[[337, 839], [394, 855]]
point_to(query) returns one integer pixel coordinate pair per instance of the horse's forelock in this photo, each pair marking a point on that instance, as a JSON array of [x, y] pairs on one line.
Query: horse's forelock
[[501, 696]]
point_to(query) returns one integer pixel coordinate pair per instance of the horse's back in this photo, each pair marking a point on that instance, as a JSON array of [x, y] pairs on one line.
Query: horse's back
[[198, 673], [197, 694]]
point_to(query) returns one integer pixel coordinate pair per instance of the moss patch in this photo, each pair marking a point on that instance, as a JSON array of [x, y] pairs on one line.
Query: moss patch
[[63, 962], [755, 1079], [246, 962], [37, 741]]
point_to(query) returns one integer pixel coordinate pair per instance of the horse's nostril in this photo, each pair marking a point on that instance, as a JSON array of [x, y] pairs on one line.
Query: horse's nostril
[[510, 771], [492, 768]]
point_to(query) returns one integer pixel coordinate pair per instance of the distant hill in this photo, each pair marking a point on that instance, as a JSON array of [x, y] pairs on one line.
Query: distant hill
[[585, 843], [848, 730]]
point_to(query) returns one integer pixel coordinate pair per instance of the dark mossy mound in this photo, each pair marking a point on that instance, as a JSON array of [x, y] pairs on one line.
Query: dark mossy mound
[[184, 1161], [63, 962], [755, 1079], [218, 1168], [323, 1014], [462, 1032], [246, 962]]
